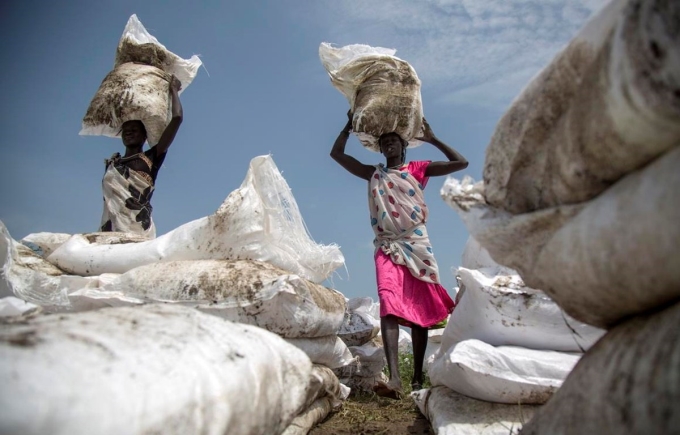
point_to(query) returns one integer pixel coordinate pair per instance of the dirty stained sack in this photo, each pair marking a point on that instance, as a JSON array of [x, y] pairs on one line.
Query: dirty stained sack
[[451, 413], [329, 351], [502, 311], [503, 374], [607, 105], [628, 383], [245, 291], [258, 221], [152, 369], [359, 325], [130, 92], [139, 46], [601, 261], [383, 91], [138, 86], [28, 276]]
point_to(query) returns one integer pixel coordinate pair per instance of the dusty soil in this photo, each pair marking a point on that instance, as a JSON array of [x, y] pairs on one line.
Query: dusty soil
[[369, 414]]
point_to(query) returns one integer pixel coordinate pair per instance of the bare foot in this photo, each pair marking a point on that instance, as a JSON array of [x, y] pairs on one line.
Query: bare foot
[[391, 390]]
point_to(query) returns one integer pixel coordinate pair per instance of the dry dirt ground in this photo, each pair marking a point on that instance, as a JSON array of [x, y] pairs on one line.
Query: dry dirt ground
[[369, 414]]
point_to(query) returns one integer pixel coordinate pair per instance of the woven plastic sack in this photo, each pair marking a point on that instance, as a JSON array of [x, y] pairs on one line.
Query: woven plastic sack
[[451, 413], [329, 351], [28, 276], [501, 311], [605, 106], [130, 92], [628, 383], [152, 369], [312, 416], [503, 374], [601, 261], [383, 91], [139, 46], [359, 325], [242, 291], [258, 221], [137, 87]]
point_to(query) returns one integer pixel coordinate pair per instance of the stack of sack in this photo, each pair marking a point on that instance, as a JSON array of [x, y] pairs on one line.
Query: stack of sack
[[251, 262], [580, 196], [137, 87], [505, 342], [359, 331], [383, 91]]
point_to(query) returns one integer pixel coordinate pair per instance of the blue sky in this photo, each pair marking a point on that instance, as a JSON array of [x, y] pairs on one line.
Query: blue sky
[[263, 90]]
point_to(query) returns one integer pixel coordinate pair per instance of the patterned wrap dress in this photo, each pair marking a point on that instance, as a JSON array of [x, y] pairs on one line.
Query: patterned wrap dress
[[406, 270]]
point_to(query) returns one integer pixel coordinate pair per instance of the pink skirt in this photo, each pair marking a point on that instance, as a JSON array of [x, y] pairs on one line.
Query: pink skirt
[[411, 300]]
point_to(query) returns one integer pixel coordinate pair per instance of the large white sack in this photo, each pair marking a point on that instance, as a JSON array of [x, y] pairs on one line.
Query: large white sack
[[138, 45], [309, 418], [324, 383], [601, 261], [258, 221], [243, 291], [329, 351], [138, 86], [383, 91], [359, 325], [151, 369], [607, 105], [370, 361], [30, 277], [451, 413], [501, 311], [628, 383], [131, 92], [504, 374]]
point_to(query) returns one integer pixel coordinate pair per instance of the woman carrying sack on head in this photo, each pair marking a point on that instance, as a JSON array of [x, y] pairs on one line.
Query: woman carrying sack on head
[[408, 281], [129, 181]]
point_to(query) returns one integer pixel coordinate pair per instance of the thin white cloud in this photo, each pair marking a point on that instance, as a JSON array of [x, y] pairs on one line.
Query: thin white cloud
[[479, 52]]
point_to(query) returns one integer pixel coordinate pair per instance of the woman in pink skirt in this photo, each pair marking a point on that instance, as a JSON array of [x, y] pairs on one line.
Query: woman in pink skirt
[[408, 280]]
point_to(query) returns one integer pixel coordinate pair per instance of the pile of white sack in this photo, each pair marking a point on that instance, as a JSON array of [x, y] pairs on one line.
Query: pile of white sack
[[505, 343], [137, 87], [580, 196], [383, 91], [251, 266], [360, 331]]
